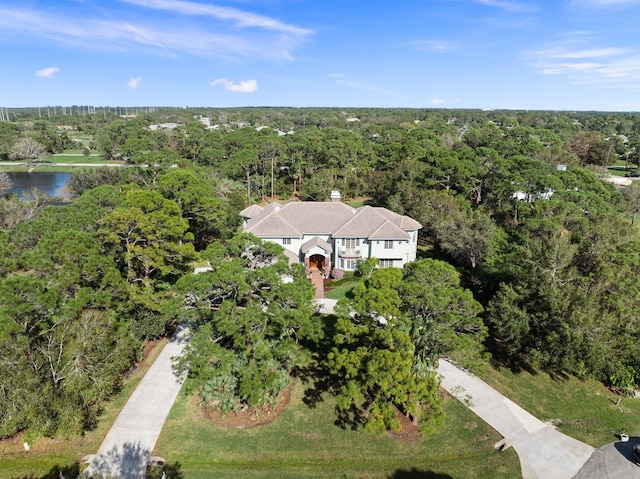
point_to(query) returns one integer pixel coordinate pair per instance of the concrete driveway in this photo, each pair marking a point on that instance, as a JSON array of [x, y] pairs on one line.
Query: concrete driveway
[[126, 450], [544, 452], [612, 461]]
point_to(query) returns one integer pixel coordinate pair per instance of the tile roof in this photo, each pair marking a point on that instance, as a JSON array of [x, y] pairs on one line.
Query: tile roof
[[371, 222], [338, 219], [251, 211], [315, 241]]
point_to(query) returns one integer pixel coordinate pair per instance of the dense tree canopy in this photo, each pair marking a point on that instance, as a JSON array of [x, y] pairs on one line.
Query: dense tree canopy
[[249, 314], [536, 262]]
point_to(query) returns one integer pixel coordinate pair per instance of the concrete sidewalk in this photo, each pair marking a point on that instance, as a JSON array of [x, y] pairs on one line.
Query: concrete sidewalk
[[544, 452], [126, 450]]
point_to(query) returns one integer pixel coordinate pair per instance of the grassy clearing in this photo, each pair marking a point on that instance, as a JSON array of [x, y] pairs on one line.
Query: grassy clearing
[[304, 442], [95, 158], [48, 457], [586, 408], [340, 291]]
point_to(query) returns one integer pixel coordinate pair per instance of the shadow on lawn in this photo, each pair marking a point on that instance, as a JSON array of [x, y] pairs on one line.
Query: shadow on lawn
[[418, 474], [172, 471]]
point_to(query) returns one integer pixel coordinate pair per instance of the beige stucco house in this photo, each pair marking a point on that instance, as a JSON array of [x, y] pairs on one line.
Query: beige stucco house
[[330, 235]]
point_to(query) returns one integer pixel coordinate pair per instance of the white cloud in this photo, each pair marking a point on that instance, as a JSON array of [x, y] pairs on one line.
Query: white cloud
[[243, 86], [560, 52], [162, 36], [437, 101], [508, 6], [593, 65], [435, 46], [239, 17], [134, 83], [605, 3], [47, 72]]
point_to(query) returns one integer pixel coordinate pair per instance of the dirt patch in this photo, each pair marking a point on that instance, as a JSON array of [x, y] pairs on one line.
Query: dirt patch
[[250, 416], [408, 433]]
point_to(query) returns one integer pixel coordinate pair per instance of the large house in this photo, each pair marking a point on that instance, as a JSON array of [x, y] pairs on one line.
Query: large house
[[333, 235]]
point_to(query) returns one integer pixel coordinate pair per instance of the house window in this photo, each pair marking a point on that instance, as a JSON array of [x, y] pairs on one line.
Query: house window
[[350, 243], [388, 244], [286, 240], [385, 263], [350, 264]]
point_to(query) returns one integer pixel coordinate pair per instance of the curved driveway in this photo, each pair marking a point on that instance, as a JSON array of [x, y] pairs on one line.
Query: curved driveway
[[544, 452]]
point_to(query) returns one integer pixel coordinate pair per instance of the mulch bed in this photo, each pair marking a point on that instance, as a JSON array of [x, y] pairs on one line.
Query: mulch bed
[[250, 416]]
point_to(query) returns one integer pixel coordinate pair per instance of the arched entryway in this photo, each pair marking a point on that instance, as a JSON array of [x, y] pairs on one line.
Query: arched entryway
[[317, 261]]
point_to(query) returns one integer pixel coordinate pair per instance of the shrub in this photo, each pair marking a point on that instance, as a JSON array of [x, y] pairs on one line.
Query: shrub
[[337, 274]]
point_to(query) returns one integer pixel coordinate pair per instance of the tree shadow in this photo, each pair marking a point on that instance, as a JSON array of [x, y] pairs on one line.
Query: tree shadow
[[418, 474], [73, 471], [57, 472], [171, 471], [121, 461], [500, 357]]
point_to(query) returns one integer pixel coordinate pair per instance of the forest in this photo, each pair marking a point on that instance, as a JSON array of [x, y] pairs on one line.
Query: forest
[[528, 255]]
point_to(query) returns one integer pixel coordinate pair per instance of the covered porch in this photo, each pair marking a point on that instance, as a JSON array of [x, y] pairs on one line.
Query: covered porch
[[317, 262]]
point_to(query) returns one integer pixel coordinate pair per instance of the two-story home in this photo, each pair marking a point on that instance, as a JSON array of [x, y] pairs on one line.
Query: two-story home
[[330, 235]]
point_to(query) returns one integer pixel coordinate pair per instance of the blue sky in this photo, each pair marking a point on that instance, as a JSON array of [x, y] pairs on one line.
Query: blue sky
[[549, 55]]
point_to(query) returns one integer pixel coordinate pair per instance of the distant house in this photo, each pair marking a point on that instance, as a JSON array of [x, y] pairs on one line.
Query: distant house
[[329, 235]]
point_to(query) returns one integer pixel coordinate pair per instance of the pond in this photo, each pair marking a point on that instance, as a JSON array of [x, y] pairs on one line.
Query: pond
[[53, 184]]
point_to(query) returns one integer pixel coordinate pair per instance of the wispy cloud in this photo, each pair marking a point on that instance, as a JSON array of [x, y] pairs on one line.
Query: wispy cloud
[[47, 72], [167, 38], [240, 18], [434, 46], [243, 86], [134, 83], [595, 52], [509, 6], [594, 65], [437, 101], [605, 3]]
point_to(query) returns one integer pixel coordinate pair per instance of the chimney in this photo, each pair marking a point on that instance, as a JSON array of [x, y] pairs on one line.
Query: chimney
[[335, 196]]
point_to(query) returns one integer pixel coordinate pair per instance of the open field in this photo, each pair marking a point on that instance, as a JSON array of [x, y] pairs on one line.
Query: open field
[[61, 164], [49, 456]]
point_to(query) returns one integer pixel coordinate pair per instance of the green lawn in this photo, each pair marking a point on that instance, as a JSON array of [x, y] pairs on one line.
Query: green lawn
[[48, 457], [95, 158], [586, 408], [304, 442], [340, 291]]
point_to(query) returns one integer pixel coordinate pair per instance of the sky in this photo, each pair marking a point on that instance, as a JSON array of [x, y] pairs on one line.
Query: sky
[[499, 54]]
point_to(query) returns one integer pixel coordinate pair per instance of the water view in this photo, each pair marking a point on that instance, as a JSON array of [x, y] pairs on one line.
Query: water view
[[53, 184]]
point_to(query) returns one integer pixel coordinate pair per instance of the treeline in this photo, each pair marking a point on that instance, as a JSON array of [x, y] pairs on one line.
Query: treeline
[[83, 285], [550, 254]]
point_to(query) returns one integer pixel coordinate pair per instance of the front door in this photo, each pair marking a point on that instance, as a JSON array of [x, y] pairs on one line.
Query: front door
[[316, 261]]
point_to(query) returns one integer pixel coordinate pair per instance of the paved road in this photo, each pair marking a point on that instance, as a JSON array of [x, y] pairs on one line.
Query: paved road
[[126, 450], [544, 452]]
